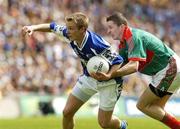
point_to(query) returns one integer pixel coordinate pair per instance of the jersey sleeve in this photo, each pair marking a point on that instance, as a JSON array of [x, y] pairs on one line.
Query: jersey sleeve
[[59, 30], [136, 50]]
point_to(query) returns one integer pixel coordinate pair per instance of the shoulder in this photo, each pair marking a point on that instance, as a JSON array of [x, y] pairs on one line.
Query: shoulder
[[56, 27], [60, 30], [96, 38]]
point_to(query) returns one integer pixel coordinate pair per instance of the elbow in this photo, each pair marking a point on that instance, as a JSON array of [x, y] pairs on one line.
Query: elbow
[[135, 66], [136, 69]]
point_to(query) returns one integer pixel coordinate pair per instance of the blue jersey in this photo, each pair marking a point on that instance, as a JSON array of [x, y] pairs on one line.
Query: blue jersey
[[92, 45]]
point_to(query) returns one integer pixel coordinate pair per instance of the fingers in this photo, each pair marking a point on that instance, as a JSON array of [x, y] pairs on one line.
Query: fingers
[[24, 30], [93, 75], [99, 73], [97, 76], [27, 30], [30, 33]]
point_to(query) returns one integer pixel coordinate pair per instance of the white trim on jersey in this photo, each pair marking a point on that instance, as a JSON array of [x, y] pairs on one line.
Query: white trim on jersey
[[94, 51], [58, 30], [107, 43], [83, 42]]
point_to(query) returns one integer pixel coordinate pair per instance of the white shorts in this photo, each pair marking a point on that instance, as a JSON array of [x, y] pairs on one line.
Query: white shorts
[[109, 91], [168, 79]]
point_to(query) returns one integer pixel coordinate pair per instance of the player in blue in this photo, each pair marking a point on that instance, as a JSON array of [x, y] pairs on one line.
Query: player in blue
[[87, 44]]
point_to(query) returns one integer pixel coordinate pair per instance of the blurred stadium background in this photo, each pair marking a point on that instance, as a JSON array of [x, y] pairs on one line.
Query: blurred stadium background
[[37, 73]]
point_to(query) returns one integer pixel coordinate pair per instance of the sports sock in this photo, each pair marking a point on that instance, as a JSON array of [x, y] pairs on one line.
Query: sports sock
[[123, 124], [171, 121]]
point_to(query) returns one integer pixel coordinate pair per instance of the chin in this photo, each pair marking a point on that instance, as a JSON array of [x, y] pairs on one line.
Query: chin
[[115, 38]]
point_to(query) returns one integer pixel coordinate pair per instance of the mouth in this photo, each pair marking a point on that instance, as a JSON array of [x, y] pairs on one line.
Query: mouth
[[69, 35]]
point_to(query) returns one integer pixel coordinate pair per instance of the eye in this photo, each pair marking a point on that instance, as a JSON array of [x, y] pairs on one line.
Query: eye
[[70, 28]]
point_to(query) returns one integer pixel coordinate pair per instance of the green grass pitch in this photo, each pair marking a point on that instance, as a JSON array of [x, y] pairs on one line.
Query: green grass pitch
[[52, 122]]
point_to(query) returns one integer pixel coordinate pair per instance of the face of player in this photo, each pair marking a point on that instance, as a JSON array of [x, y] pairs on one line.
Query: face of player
[[74, 33], [115, 31]]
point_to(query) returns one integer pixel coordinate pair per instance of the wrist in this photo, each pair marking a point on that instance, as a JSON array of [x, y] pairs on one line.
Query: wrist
[[113, 74], [34, 27]]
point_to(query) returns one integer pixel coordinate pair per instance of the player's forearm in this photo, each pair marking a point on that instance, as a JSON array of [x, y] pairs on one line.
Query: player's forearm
[[127, 69], [42, 27], [114, 68]]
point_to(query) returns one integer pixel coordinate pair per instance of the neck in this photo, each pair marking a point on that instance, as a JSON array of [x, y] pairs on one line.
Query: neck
[[80, 39]]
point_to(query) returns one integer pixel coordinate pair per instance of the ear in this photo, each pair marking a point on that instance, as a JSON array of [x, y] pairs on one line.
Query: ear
[[123, 26]]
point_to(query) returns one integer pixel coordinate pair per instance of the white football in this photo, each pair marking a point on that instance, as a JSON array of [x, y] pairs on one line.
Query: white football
[[97, 64]]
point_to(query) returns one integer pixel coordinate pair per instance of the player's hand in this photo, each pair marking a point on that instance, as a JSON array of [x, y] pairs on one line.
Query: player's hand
[[27, 30], [100, 76]]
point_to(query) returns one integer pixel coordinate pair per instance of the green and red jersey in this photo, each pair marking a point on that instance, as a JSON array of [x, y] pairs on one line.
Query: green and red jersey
[[138, 45]]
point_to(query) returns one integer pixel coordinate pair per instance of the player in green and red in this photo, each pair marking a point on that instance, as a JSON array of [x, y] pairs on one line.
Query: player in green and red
[[147, 54]]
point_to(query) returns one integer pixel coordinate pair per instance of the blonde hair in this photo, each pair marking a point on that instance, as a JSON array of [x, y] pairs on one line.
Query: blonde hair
[[80, 19]]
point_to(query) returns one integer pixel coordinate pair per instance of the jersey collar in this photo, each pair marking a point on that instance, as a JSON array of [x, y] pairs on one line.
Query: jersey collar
[[83, 42], [127, 33]]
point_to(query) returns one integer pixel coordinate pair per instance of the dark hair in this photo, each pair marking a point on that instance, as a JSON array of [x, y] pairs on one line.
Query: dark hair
[[117, 18]]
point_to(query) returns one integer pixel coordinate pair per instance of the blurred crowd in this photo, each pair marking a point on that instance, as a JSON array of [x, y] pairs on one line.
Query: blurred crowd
[[45, 64]]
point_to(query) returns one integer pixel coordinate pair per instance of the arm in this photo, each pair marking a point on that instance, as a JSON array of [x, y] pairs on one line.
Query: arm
[[114, 68], [115, 62], [116, 71], [129, 68], [40, 27], [105, 76]]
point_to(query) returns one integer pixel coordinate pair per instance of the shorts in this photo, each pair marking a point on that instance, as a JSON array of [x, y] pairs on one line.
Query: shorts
[[168, 79], [109, 91]]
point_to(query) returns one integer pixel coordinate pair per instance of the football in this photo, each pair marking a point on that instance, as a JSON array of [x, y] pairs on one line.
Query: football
[[97, 64]]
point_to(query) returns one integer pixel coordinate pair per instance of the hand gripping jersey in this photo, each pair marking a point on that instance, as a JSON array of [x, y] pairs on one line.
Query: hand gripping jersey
[[92, 45], [138, 45]]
